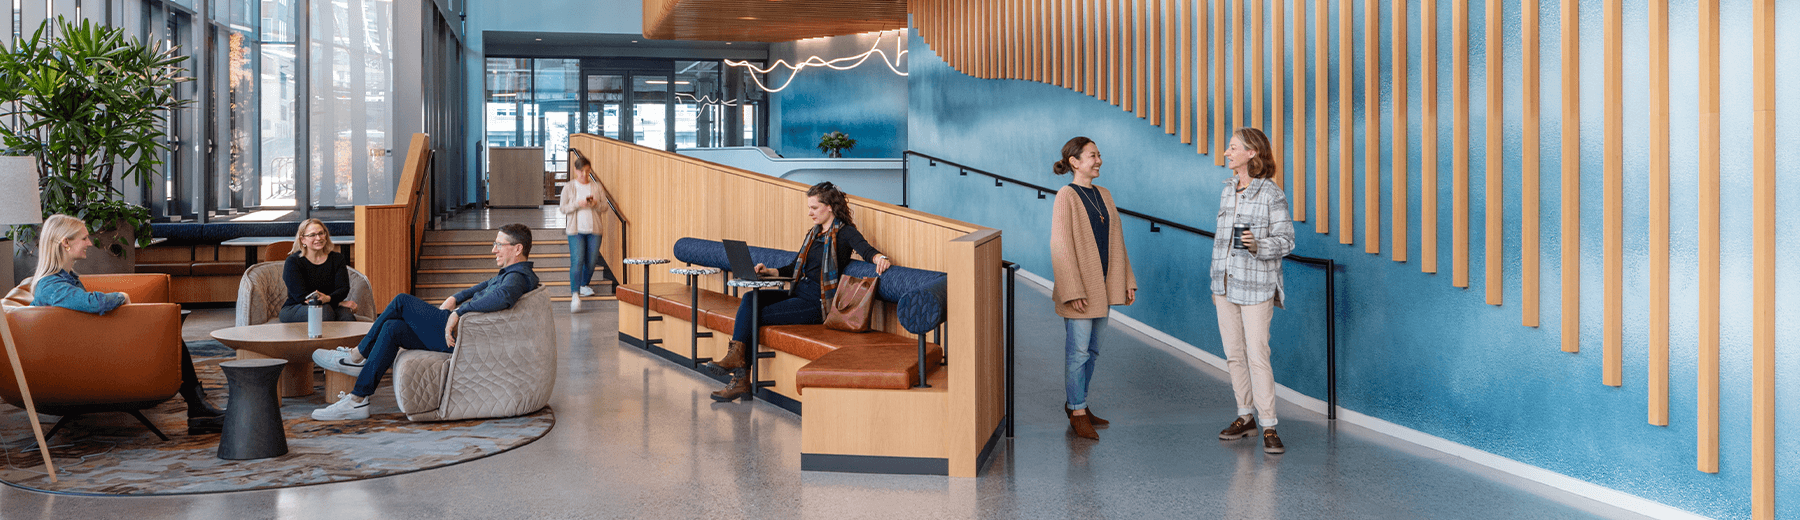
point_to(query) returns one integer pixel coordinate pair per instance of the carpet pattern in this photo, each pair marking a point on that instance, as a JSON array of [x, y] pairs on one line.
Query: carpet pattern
[[112, 454]]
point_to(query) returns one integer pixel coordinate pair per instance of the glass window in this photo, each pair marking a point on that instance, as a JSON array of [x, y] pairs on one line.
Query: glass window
[[650, 107], [352, 63], [508, 89], [557, 93]]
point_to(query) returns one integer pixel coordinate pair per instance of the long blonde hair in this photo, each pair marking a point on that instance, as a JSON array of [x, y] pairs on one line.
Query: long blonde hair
[[300, 236], [51, 256]]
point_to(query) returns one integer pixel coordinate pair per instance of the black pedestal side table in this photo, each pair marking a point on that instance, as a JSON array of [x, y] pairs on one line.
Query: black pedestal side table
[[253, 428]]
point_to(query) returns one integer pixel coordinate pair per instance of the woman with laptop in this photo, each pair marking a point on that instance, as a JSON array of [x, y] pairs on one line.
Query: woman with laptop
[[824, 252]]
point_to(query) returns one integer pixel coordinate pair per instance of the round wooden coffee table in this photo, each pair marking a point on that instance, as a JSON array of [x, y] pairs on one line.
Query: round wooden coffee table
[[288, 341]]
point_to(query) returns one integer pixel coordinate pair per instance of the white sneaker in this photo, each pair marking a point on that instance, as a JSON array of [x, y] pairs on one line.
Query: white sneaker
[[337, 360], [345, 409], [587, 291], [574, 303]]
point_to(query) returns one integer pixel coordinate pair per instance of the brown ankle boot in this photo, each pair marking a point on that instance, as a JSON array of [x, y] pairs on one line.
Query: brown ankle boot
[[734, 358], [1095, 419], [1082, 426], [738, 387]]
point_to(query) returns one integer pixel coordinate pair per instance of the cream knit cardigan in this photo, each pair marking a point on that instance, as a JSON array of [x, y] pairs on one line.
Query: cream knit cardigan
[[1075, 255]]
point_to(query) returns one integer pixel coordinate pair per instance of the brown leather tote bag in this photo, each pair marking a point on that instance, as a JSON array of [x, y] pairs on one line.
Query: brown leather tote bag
[[854, 302]]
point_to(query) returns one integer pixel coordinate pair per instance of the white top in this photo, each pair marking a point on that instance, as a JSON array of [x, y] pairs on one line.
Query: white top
[[581, 220]]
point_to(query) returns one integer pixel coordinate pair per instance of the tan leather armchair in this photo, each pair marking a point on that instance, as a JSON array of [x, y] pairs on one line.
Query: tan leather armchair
[[79, 363], [262, 291]]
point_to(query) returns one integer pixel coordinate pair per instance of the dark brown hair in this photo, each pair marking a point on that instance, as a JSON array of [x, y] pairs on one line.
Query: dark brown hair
[[1262, 165], [520, 235], [578, 163], [828, 194], [1070, 149]]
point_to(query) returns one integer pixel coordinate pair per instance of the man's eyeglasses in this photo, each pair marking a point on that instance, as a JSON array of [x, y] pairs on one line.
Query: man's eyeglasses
[[503, 244]]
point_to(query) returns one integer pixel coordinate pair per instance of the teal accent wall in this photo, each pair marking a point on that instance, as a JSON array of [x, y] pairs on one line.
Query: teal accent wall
[[867, 102], [1412, 349]]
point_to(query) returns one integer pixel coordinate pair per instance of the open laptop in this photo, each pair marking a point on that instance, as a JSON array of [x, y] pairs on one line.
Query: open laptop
[[743, 267]]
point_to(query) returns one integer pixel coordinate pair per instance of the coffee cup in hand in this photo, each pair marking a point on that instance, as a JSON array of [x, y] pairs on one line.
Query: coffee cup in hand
[[1237, 237]]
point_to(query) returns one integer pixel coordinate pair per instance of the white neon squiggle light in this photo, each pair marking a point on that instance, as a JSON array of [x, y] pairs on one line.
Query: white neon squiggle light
[[815, 61], [707, 100]]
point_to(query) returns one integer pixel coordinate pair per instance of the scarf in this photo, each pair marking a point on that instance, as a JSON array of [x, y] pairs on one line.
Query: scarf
[[828, 282]]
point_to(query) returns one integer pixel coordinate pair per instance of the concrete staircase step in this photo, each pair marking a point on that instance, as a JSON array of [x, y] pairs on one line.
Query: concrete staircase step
[[486, 236]]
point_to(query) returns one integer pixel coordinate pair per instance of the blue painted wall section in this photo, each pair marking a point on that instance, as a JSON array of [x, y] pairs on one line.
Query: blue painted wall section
[[1412, 349], [868, 102]]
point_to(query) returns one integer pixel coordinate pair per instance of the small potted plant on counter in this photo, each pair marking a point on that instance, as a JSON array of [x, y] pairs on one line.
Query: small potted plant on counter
[[834, 144]]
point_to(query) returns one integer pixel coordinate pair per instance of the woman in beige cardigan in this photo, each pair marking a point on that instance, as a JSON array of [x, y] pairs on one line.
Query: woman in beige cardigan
[[1093, 273], [582, 203]]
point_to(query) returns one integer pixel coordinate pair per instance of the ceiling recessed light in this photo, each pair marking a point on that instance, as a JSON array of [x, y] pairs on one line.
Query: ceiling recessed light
[[540, 39], [728, 43], [633, 41], [746, 18]]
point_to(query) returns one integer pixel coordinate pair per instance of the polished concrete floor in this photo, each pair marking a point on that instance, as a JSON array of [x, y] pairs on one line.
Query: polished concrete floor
[[637, 437]]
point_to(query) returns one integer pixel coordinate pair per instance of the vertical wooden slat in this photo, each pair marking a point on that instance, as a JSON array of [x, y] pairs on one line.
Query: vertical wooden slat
[[1658, 384], [1706, 406], [1087, 25], [1428, 143], [1571, 176], [1613, 336], [1184, 59], [1237, 65], [1218, 84], [1371, 127], [1298, 164], [1529, 163], [1278, 87], [1459, 144], [1140, 55], [1063, 14], [1153, 50], [1345, 155], [1321, 117], [1398, 157], [1203, 103], [1128, 58], [1762, 365], [1494, 171], [1103, 50], [1256, 60], [1117, 42]]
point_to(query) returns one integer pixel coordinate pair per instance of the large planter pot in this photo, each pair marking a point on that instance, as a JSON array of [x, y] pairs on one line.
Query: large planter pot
[[115, 251]]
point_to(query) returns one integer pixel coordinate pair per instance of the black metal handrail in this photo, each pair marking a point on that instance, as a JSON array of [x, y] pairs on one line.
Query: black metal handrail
[[1156, 225]]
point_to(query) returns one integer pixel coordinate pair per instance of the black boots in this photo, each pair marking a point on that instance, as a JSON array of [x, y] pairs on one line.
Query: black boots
[[202, 417]]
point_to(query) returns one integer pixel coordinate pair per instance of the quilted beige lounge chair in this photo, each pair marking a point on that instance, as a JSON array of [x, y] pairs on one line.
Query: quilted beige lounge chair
[[504, 365], [261, 293]]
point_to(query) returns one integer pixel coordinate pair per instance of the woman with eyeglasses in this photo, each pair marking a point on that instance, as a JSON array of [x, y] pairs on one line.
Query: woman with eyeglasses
[[316, 271]]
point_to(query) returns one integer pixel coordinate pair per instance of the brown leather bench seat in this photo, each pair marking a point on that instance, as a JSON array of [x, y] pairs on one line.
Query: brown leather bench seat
[[839, 359]]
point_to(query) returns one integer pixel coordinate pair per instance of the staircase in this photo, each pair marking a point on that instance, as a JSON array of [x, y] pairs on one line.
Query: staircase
[[454, 259]]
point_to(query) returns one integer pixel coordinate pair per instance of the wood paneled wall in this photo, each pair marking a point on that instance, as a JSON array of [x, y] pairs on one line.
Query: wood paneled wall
[[667, 197], [1221, 48]]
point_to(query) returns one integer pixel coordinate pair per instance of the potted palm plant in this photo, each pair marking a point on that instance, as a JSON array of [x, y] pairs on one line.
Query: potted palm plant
[[91, 105]]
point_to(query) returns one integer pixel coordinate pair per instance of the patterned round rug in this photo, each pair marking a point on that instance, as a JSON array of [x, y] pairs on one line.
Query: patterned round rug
[[113, 454]]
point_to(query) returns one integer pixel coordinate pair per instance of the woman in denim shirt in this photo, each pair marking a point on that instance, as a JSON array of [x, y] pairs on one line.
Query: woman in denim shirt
[[1246, 279], [64, 241]]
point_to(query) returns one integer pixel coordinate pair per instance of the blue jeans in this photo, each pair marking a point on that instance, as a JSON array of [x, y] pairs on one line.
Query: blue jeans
[[1079, 352], [409, 323], [778, 308], [584, 252]]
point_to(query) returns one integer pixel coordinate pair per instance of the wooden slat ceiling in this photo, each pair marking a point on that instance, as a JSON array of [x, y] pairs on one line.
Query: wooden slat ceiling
[[768, 20]]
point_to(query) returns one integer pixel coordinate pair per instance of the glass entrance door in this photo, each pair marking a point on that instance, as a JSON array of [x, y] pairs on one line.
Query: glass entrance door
[[605, 96], [652, 111]]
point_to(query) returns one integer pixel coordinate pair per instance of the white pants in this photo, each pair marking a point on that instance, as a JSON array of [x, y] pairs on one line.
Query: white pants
[[1245, 331]]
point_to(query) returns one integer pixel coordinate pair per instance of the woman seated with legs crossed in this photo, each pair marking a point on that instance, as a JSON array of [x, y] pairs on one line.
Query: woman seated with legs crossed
[[64, 241], [315, 271], [825, 250]]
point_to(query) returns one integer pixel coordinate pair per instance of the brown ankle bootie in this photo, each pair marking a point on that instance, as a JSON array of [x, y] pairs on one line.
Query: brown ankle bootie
[[1095, 419], [734, 358], [1083, 427], [738, 387]]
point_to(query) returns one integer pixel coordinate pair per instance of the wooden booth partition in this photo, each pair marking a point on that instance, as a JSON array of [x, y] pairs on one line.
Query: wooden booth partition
[[668, 197], [388, 235]]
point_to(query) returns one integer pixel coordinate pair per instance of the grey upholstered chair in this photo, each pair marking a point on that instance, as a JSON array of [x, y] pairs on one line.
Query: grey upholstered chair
[[261, 293], [504, 364]]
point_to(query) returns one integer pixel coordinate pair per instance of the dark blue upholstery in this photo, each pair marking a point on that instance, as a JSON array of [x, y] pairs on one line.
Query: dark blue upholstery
[[918, 294], [192, 233]]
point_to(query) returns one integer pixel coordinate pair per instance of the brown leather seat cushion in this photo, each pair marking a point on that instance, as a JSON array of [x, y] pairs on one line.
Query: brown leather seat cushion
[[718, 311], [170, 268], [634, 293], [891, 367], [815, 341], [217, 268]]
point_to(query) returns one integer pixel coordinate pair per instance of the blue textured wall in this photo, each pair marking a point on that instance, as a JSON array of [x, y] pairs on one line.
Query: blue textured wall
[[1414, 350], [868, 103]]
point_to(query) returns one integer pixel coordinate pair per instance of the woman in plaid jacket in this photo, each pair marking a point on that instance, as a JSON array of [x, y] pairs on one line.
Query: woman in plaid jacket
[[1246, 279]]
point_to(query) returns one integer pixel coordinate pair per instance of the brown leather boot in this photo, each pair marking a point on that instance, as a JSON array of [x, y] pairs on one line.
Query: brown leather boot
[[738, 387], [734, 358], [1082, 427], [1095, 419]]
